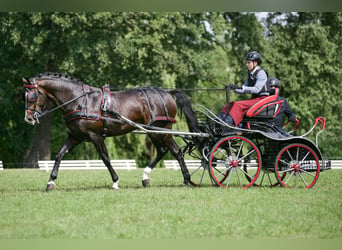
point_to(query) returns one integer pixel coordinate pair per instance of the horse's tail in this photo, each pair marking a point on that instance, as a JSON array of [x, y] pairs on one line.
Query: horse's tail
[[184, 104]]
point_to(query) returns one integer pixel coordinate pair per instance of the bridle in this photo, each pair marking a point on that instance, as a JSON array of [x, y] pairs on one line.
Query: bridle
[[31, 96]]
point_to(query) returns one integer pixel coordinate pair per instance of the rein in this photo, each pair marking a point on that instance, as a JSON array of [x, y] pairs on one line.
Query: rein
[[62, 105]]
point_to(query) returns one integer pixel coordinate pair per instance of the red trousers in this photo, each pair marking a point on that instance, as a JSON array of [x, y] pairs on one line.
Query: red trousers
[[238, 109]]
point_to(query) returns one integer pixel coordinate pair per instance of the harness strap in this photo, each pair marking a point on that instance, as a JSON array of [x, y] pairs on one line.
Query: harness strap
[[106, 105], [158, 118], [148, 104], [78, 114], [162, 100], [165, 118], [86, 91], [86, 88]]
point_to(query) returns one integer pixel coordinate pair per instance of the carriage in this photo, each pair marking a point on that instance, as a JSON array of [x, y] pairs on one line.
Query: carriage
[[257, 153]]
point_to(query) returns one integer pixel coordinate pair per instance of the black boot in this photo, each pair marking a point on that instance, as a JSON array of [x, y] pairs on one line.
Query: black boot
[[220, 129], [227, 118]]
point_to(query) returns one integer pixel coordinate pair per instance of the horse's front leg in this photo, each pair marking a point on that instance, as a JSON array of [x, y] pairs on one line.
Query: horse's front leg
[[69, 143], [101, 148]]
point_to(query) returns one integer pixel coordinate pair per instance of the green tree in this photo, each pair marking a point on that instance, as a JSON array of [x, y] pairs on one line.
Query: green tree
[[305, 57]]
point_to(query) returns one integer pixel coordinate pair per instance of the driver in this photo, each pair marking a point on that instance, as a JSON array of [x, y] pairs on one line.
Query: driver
[[255, 85]]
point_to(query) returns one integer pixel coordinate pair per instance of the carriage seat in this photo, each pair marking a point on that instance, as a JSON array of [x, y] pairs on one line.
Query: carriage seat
[[265, 109]]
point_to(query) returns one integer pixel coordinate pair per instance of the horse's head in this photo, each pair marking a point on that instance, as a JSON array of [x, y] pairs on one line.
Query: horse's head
[[34, 99]]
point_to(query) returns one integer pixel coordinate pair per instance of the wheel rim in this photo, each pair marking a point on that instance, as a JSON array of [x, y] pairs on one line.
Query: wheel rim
[[235, 161], [300, 164]]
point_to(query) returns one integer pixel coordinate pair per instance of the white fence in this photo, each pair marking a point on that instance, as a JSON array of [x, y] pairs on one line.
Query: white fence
[[173, 164], [127, 164], [336, 164], [87, 164]]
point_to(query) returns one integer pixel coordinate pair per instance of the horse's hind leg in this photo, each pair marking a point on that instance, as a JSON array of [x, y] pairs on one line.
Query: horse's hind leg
[[177, 153], [161, 151], [164, 144], [101, 148], [69, 144]]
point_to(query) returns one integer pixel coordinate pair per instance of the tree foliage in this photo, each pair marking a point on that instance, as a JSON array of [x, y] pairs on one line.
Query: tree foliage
[[170, 50], [305, 56]]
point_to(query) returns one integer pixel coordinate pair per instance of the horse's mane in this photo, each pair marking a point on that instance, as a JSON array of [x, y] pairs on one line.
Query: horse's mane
[[65, 77]]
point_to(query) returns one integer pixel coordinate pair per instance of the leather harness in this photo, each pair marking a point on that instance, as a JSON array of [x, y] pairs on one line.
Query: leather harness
[[106, 108]]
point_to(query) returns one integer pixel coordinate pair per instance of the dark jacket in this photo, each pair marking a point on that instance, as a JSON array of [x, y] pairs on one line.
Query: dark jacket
[[284, 110]]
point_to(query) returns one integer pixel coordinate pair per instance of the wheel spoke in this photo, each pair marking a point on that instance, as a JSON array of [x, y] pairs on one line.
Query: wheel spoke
[[288, 178], [196, 170], [223, 172], [301, 162], [238, 177], [229, 177], [240, 149], [284, 162], [288, 152], [223, 152], [302, 178], [249, 153], [297, 155], [246, 174], [285, 171], [195, 179], [307, 173], [230, 148]]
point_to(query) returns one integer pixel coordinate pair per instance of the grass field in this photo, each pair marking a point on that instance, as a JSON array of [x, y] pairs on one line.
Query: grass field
[[84, 207]]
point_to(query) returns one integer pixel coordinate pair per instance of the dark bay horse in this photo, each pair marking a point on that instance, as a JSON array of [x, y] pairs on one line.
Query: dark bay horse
[[91, 114]]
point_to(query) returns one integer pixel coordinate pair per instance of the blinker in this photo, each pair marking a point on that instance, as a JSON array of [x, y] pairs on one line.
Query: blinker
[[32, 96]]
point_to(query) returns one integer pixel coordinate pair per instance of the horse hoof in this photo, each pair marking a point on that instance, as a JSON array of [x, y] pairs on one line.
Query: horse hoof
[[50, 186], [116, 185], [186, 184], [145, 182]]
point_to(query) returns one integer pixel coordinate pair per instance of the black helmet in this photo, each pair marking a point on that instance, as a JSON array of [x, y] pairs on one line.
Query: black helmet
[[254, 56], [273, 82]]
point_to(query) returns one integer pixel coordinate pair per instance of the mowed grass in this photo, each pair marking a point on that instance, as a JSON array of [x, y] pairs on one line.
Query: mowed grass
[[83, 206]]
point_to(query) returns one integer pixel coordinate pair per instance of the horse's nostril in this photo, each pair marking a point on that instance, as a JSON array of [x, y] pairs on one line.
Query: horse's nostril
[[29, 120]]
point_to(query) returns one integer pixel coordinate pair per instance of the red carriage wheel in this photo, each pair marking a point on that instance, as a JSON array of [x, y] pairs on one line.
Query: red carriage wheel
[[235, 161], [300, 164]]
